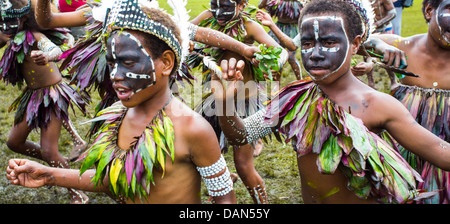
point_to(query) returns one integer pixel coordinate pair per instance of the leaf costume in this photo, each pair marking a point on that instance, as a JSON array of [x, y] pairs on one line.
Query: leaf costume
[[430, 108], [315, 124], [285, 8], [37, 104], [130, 171]]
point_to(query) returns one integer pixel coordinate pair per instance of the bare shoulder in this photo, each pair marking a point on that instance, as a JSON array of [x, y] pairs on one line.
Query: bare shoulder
[[192, 125], [202, 16], [384, 106]]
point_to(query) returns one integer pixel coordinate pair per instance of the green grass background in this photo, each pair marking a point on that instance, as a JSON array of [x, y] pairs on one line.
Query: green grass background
[[277, 164]]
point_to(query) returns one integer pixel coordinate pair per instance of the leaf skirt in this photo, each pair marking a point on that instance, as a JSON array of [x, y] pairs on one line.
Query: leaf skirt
[[430, 107], [36, 105]]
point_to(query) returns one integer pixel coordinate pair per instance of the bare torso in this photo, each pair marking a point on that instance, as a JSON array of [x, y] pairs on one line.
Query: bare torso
[[37, 76], [181, 180], [434, 71]]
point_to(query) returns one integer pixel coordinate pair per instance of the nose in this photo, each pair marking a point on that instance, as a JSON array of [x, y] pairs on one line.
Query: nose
[[217, 12], [316, 53], [116, 75]]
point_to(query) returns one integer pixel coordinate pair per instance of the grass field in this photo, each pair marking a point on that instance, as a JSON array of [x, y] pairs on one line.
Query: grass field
[[277, 164]]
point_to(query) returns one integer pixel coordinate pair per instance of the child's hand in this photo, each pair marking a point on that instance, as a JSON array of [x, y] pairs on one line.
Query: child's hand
[[393, 56], [232, 69], [232, 73], [26, 173], [249, 53], [39, 57], [264, 18], [362, 68]]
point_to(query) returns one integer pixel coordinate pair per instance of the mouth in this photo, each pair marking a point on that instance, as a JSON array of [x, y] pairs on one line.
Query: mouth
[[123, 93], [318, 71]]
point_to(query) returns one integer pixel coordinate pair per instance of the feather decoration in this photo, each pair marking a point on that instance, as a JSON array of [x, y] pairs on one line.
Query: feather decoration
[[181, 18], [316, 125], [99, 12], [130, 171]]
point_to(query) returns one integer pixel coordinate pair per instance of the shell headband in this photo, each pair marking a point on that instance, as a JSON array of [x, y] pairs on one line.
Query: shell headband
[[9, 12], [127, 14]]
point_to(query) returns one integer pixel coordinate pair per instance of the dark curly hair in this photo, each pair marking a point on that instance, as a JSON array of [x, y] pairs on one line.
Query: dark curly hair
[[433, 3], [352, 20]]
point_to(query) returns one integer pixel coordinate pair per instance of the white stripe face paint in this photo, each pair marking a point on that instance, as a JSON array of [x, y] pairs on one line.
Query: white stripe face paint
[[324, 44], [132, 63], [224, 10]]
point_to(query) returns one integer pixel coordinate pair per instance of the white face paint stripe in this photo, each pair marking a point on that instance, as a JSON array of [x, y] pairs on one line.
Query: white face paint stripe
[[316, 29], [316, 33], [439, 25]]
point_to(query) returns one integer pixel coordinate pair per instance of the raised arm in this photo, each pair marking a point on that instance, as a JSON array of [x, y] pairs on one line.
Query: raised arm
[[219, 39], [31, 174], [237, 131], [412, 136], [284, 39], [47, 19]]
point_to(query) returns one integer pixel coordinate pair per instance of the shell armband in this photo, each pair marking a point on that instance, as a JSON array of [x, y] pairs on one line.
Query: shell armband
[[219, 185]]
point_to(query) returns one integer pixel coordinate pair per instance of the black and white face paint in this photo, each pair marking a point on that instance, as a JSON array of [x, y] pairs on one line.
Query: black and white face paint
[[128, 60], [443, 20], [223, 10], [324, 45]]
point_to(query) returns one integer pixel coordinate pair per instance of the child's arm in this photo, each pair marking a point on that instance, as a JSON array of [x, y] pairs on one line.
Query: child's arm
[[411, 135], [206, 156], [237, 131], [31, 174], [48, 51], [202, 16], [390, 15], [218, 39], [284, 39], [391, 47], [258, 34], [262, 4], [47, 19]]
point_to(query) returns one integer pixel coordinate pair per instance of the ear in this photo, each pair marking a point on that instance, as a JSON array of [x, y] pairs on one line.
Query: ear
[[356, 44], [428, 12], [168, 62]]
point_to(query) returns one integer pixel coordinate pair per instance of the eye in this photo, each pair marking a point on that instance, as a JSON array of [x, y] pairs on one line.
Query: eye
[[328, 43], [128, 63], [111, 64], [307, 44]]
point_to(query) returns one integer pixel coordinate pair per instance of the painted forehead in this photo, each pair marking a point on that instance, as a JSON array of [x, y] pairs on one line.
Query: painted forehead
[[328, 24], [223, 2], [127, 39]]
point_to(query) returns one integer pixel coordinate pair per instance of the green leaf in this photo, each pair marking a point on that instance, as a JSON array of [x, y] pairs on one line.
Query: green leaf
[[19, 38], [330, 156]]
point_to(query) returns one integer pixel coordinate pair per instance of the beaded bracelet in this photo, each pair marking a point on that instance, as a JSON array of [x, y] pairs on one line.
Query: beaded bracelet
[[255, 126], [192, 31], [220, 185]]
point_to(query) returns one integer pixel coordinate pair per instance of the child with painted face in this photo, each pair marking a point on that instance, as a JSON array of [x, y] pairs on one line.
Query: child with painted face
[[152, 148], [44, 104], [426, 97], [227, 16], [335, 121]]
